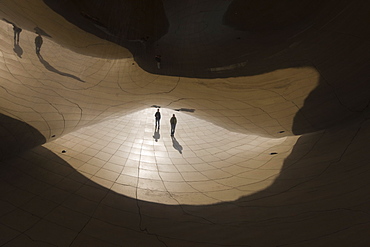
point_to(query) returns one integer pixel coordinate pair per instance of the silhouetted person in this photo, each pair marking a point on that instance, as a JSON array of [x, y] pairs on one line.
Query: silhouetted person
[[38, 43], [17, 49], [17, 31], [156, 135], [158, 59], [157, 116], [173, 122]]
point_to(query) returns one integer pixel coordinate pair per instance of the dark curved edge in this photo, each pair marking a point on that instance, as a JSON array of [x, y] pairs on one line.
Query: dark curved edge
[[319, 198], [17, 136], [123, 22]]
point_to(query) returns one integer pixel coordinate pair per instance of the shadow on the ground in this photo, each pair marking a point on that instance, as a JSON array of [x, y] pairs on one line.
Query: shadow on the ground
[[320, 196], [54, 70], [176, 145], [17, 136]]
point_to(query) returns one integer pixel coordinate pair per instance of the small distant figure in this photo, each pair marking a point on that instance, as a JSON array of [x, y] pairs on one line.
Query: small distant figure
[[17, 30], [173, 122], [38, 43], [157, 116], [158, 58]]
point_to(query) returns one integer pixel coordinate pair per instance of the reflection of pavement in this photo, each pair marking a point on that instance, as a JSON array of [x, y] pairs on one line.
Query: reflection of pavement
[[210, 150]]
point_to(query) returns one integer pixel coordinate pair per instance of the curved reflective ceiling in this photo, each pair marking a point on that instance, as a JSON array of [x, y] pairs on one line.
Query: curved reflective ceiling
[[271, 101]]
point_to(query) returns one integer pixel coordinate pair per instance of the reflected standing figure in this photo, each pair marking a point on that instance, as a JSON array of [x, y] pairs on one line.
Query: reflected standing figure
[[17, 30], [173, 122], [38, 43], [157, 116], [17, 49], [158, 58]]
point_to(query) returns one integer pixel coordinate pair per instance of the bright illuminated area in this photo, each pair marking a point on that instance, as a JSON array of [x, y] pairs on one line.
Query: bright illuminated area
[[269, 146], [201, 164]]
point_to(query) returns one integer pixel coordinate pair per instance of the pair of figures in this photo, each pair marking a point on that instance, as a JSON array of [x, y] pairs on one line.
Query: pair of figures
[[173, 121]]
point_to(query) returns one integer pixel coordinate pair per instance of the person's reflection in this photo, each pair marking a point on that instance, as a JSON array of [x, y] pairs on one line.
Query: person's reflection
[[38, 43], [17, 49], [17, 31], [156, 135], [176, 145]]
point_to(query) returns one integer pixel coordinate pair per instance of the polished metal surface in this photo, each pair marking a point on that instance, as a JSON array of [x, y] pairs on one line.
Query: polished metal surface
[[271, 101]]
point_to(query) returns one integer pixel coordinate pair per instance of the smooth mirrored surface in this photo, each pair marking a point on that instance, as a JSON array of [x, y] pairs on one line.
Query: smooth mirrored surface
[[269, 149]]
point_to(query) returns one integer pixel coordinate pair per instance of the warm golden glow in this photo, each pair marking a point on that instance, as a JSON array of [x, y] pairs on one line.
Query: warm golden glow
[[202, 164]]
